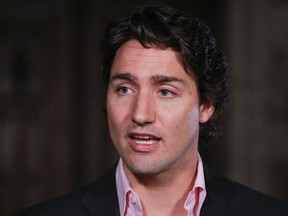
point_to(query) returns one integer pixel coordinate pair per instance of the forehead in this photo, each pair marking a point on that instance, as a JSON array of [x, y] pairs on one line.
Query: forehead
[[133, 57], [133, 46]]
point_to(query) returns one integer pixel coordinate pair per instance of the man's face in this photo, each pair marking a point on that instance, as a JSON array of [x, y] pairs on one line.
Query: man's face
[[153, 110]]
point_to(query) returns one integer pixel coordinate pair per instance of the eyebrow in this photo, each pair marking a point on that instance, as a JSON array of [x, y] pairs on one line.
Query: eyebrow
[[156, 79], [164, 78], [123, 76]]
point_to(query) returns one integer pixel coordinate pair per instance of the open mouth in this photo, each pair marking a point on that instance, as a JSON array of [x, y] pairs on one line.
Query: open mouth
[[144, 139]]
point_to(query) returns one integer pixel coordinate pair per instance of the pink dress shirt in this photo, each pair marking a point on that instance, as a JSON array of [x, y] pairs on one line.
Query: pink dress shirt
[[129, 201]]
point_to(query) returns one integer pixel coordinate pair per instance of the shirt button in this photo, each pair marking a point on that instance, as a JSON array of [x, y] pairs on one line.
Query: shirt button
[[133, 199]]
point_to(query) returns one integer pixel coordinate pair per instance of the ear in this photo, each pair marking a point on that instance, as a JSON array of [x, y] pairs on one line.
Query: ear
[[206, 111]]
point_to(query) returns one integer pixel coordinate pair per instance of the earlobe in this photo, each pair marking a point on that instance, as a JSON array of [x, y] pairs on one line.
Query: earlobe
[[206, 111]]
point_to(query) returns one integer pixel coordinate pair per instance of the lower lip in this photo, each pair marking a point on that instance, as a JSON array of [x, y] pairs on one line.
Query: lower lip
[[145, 148]]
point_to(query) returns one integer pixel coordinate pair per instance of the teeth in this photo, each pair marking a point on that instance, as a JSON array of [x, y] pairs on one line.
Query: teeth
[[144, 142], [142, 137]]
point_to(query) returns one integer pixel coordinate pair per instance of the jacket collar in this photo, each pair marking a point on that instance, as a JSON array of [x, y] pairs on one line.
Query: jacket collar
[[100, 198], [219, 196]]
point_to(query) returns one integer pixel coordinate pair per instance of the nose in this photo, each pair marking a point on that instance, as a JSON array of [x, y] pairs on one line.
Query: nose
[[144, 109]]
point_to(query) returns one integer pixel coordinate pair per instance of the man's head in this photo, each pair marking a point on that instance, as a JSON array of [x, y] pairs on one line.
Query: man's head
[[164, 27]]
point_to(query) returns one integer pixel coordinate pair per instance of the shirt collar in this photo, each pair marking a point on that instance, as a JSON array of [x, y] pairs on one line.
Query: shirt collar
[[200, 179], [196, 197], [122, 185]]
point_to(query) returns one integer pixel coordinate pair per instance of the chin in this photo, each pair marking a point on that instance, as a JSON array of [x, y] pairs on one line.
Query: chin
[[146, 168]]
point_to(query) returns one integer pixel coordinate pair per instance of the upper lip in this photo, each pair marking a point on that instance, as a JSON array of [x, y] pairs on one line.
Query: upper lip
[[143, 136]]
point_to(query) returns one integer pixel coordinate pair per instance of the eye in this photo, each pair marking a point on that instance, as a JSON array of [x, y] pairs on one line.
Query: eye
[[166, 93], [122, 90]]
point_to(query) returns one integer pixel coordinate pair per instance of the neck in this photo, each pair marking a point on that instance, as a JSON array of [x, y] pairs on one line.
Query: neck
[[164, 193]]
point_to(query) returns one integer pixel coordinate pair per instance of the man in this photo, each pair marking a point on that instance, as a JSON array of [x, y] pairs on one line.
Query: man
[[166, 87]]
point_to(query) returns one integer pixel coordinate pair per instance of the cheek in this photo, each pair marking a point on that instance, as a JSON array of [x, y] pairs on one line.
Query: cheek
[[185, 125], [115, 124], [117, 114], [112, 114], [181, 112]]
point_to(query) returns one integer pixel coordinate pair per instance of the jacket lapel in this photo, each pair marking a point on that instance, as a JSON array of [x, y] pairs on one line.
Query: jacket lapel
[[100, 198], [219, 196]]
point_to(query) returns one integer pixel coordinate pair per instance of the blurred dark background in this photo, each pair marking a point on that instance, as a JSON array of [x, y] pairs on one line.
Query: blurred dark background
[[53, 132]]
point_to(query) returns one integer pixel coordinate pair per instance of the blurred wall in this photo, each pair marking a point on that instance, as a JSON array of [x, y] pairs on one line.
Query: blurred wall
[[257, 46], [53, 132]]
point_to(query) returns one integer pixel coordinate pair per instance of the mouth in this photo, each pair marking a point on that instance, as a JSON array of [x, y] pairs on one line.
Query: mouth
[[144, 139]]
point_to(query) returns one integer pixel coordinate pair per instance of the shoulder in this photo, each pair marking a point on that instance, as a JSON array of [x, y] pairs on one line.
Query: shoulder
[[255, 202], [251, 200], [241, 198], [87, 199], [59, 206]]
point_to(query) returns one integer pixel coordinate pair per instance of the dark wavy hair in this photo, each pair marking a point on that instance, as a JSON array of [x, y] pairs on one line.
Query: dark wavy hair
[[166, 27]]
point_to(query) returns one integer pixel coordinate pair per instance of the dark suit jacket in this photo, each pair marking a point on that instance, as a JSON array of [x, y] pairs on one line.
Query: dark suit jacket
[[224, 197]]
